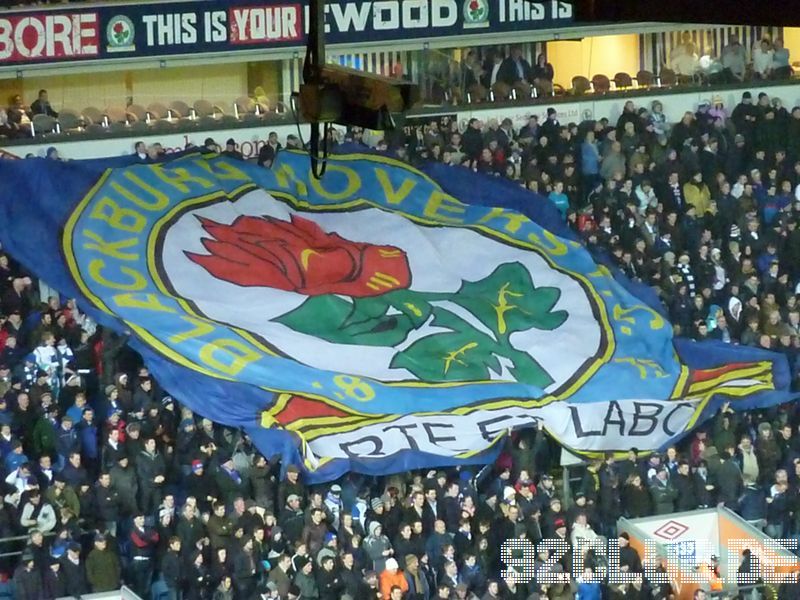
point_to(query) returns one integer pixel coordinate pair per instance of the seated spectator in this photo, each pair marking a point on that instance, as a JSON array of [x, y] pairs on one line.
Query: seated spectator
[[41, 106], [543, 75], [516, 72], [781, 67], [734, 60], [763, 60], [19, 117]]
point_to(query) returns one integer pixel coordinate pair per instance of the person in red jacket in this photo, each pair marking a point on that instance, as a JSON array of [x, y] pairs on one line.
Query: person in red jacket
[[144, 541]]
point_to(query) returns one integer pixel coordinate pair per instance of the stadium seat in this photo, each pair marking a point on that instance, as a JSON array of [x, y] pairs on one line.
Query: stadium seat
[[204, 108], [601, 83], [117, 114], [645, 78], [180, 109], [157, 111], [69, 120], [500, 91], [667, 77], [623, 80], [93, 116], [580, 85], [138, 112], [43, 124], [244, 105], [521, 91]]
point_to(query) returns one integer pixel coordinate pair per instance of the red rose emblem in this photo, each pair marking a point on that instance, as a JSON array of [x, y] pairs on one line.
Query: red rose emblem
[[298, 256], [119, 28], [473, 6]]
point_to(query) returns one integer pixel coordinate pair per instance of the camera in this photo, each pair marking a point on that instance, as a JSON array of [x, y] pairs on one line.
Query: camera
[[351, 97]]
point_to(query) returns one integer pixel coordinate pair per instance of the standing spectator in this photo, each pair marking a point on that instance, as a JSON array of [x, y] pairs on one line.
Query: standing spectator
[[74, 571], [150, 471], [543, 75], [231, 151], [391, 577], [172, 569], [268, 152], [144, 541], [53, 583], [102, 566], [27, 579]]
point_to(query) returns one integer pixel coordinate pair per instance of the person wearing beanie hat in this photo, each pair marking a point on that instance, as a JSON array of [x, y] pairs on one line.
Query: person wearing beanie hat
[[74, 571], [376, 546], [303, 579], [231, 151], [102, 566], [27, 580], [291, 484], [744, 117], [390, 577]]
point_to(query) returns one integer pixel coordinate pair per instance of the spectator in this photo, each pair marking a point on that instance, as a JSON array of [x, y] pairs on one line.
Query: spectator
[[41, 106], [27, 579], [231, 151], [781, 67], [19, 117], [734, 59], [102, 566], [267, 153], [515, 71], [74, 571], [683, 57], [543, 75], [763, 60]]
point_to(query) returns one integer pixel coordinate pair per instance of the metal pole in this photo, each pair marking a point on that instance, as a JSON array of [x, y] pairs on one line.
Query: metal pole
[[315, 59]]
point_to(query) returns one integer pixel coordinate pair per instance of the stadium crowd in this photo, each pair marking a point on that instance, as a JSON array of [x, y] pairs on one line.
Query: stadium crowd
[[110, 480]]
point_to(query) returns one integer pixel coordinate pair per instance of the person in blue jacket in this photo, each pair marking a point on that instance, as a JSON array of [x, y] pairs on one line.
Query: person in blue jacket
[[559, 198], [589, 586]]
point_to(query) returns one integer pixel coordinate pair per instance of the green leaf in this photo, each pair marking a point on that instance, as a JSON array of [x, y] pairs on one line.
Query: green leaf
[[456, 356], [507, 301], [339, 321], [465, 354]]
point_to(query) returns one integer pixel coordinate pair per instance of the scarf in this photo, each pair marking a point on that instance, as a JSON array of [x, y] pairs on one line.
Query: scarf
[[233, 474]]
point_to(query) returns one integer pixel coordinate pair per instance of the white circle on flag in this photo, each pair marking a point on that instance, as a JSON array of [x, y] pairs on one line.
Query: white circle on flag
[[440, 259]]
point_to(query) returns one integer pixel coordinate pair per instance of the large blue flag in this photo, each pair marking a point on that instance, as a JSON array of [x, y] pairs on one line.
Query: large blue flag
[[378, 320]]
